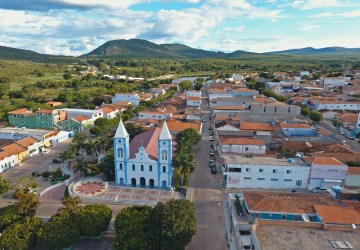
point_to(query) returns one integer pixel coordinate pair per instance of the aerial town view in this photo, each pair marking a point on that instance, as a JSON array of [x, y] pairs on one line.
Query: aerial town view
[[173, 125]]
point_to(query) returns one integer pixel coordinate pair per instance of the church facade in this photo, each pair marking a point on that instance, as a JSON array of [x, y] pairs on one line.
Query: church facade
[[146, 161]]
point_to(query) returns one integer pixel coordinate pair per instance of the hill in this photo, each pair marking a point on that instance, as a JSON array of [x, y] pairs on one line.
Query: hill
[[328, 51], [144, 48], [8, 53]]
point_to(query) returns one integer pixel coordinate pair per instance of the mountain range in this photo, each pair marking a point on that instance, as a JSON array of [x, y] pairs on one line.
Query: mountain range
[[147, 49]]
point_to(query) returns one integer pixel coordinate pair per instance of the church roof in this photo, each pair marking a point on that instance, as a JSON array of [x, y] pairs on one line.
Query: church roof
[[165, 133], [121, 131], [148, 140]]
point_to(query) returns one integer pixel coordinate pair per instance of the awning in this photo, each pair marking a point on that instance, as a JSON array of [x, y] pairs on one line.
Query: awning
[[47, 144]]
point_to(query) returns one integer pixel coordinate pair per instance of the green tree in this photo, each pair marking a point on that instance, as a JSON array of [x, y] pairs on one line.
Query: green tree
[[9, 215], [133, 229], [189, 135], [315, 116], [67, 76], [133, 129], [28, 203], [68, 155], [79, 142], [94, 219], [107, 165], [4, 185], [305, 111], [91, 148], [185, 85], [173, 224], [59, 232], [21, 235], [71, 206]]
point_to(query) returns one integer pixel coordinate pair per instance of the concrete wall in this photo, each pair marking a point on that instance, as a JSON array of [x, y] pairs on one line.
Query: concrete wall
[[243, 149]]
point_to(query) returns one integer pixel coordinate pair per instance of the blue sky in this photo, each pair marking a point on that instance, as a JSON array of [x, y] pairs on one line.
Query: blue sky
[[75, 27]]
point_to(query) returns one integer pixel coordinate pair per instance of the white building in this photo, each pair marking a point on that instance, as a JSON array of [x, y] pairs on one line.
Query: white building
[[132, 98], [237, 77], [332, 82], [156, 115], [358, 121], [335, 105], [264, 172], [242, 146], [193, 93], [146, 161], [93, 115], [193, 101], [6, 161]]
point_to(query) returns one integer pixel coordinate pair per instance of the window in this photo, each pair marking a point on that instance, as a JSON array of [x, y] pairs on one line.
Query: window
[[150, 168], [261, 170], [164, 169], [238, 170], [164, 155], [275, 171], [133, 167], [288, 171], [298, 183], [260, 179], [119, 141], [283, 216], [247, 169], [164, 142], [142, 167], [274, 179], [246, 148], [120, 166], [120, 153], [287, 180], [247, 178]]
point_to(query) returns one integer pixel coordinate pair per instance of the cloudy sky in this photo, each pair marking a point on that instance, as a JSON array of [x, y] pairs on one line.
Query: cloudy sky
[[75, 27]]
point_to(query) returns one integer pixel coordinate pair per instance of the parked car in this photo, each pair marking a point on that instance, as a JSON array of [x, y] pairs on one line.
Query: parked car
[[341, 132], [57, 160], [212, 152], [210, 128], [211, 138], [203, 120], [320, 190], [213, 170], [211, 133], [45, 151], [212, 163]]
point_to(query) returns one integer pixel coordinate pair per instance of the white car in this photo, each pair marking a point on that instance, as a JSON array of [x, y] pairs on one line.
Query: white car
[[211, 138], [45, 151]]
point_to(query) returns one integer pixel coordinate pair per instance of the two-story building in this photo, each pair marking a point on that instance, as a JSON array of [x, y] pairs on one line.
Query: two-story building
[[156, 115], [246, 171], [193, 101], [326, 172], [241, 145]]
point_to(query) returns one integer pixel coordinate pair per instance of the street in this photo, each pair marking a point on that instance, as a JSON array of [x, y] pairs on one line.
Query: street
[[207, 197]]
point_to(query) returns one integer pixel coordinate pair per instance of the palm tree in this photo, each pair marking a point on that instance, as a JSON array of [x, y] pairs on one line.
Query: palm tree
[[79, 142], [91, 148], [103, 143], [69, 154]]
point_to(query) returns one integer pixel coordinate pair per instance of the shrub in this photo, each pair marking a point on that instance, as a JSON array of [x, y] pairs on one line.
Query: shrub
[[94, 219], [8, 216]]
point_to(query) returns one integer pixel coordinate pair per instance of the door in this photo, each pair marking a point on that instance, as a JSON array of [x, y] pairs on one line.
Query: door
[[142, 182], [133, 182]]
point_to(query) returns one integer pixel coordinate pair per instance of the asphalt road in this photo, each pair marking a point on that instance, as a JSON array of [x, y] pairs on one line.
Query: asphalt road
[[354, 145], [207, 197]]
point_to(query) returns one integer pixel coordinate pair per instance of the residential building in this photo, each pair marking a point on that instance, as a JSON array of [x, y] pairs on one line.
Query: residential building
[[32, 145], [110, 112], [353, 177], [177, 126], [264, 172], [7, 161], [193, 93], [132, 98], [156, 115], [40, 119], [14, 149], [326, 172], [19, 133], [245, 101], [54, 104], [298, 129], [193, 101], [335, 105], [303, 235], [93, 115], [158, 91], [333, 82], [241, 146], [146, 161]]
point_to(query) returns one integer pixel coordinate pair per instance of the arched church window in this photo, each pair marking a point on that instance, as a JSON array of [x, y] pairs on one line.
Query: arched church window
[[164, 155], [120, 153]]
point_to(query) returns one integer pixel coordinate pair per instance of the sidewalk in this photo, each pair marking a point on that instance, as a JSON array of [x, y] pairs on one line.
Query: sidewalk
[[230, 234]]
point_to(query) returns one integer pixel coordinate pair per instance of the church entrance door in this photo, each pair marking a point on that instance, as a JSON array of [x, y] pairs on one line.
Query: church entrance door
[[151, 183], [142, 182], [133, 182]]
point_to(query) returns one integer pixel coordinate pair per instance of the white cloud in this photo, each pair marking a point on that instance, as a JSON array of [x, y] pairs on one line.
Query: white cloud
[[309, 27], [238, 4], [314, 4], [118, 4]]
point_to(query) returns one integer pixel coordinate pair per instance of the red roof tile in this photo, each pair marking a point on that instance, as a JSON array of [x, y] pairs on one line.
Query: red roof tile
[[147, 139], [331, 161], [338, 215], [80, 118], [26, 142], [257, 126]]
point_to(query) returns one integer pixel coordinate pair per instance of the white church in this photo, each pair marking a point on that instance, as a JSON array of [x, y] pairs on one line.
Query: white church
[[146, 161]]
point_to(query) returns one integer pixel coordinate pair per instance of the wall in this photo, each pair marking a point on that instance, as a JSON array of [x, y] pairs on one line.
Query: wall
[[237, 179], [243, 149], [157, 116], [7, 163], [325, 172]]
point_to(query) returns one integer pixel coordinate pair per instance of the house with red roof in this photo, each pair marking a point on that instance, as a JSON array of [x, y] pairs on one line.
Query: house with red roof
[[146, 161]]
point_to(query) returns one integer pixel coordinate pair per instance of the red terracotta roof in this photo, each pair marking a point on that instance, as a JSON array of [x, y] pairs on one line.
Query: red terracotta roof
[[180, 126], [3, 155], [45, 111], [23, 111], [286, 202], [194, 98], [256, 126], [147, 139], [331, 161], [13, 149], [241, 141], [26, 142], [80, 118], [337, 215], [354, 170], [295, 125]]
